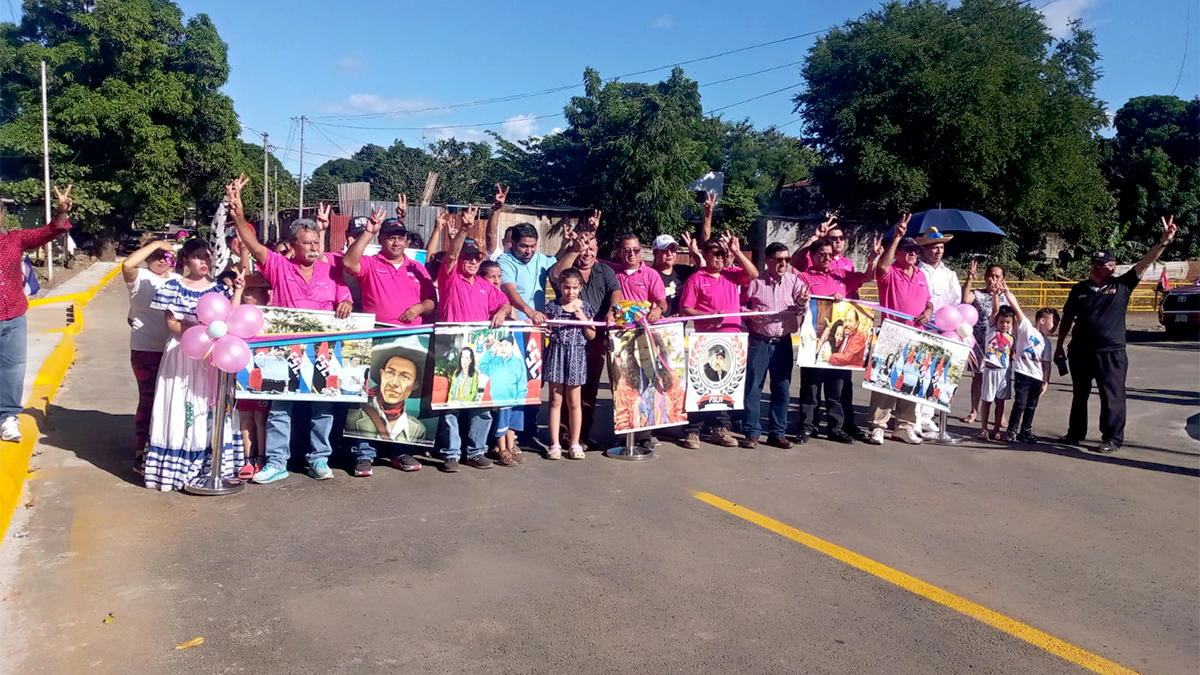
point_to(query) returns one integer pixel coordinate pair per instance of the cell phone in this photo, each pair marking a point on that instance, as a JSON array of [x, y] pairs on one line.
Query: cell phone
[[701, 196], [1061, 362]]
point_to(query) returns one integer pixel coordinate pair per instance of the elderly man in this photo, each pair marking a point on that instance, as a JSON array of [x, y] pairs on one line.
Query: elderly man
[[14, 304], [945, 290], [306, 281], [902, 288], [716, 290], [602, 291], [1095, 309], [770, 349], [397, 290]]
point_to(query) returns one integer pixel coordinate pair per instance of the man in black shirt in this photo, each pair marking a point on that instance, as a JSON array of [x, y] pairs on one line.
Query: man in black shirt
[[1096, 308], [601, 290]]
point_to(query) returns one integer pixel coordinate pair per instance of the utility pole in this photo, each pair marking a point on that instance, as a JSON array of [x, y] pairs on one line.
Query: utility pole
[[46, 174], [301, 213], [275, 211], [266, 201]]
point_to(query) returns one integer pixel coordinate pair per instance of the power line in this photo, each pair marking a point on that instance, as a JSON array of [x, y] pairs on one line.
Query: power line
[[319, 131], [757, 72], [1186, 35], [755, 98]]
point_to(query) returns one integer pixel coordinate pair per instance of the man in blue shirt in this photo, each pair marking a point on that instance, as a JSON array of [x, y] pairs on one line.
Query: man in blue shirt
[[505, 368], [525, 272]]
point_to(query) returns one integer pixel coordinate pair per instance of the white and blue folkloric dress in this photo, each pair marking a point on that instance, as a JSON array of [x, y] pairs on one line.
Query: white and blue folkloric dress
[[180, 444]]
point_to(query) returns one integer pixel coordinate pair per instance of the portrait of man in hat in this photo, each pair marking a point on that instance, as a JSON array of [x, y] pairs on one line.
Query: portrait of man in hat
[[396, 373]]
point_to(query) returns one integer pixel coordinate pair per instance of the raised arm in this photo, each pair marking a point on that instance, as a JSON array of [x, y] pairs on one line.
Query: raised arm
[[800, 257], [1012, 302], [889, 255], [352, 261], [710, 205], [734, 246], [129, 268], [1169, 230], [323, 213], [693, 247], [968, 295], [457, 239], [493, 224], [568, 251], [233, 194], [29, 239]]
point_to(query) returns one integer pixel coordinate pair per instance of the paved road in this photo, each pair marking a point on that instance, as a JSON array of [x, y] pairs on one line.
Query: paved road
[[601, 566]]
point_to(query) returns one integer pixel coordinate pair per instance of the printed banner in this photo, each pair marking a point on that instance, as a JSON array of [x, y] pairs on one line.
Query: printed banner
[[916, 365], [395, 384], [835, 335], [647, 374], [716, 371], [476, 366], [328, 370]]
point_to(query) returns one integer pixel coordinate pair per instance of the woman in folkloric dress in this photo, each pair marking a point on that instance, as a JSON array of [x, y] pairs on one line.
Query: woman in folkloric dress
[[180, 444]]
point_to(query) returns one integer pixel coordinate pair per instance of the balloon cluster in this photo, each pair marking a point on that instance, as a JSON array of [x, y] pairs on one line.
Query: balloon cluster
[[958, 322], [629, 312], [222, 332]]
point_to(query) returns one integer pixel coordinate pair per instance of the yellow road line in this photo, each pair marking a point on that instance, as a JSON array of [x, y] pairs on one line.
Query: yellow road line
[[1035, 637]]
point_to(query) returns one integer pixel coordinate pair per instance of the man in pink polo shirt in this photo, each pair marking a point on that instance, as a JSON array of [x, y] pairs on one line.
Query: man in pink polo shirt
[[717, 289], [902, 288], [841, 266], [639, 282], [305, 281], [397, 290], [466, 297]]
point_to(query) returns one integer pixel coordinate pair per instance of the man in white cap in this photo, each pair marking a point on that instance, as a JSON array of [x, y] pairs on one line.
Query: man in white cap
[[945, 290]]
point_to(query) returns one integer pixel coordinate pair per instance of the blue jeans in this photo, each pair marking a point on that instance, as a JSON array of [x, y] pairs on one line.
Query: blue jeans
[[449, 432], [12, 366], [773, 358], [279, 433]]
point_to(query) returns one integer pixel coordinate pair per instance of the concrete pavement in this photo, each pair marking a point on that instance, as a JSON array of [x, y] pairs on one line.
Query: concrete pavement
[[602, 566]]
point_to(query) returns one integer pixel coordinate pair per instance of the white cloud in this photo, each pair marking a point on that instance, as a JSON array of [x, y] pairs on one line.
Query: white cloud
[[519, 127], [351, 64], [555, 131], [663, 21], [1059, 15], [374, 103], [467, 135]]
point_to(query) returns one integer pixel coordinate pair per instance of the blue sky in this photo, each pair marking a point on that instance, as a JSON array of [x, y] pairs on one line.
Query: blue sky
[[353, 57]]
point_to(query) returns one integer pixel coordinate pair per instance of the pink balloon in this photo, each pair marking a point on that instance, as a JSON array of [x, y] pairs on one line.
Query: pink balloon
[[969, 314], [245, 321], [195, 342], [947, 318], [231, 354], [212, 307]]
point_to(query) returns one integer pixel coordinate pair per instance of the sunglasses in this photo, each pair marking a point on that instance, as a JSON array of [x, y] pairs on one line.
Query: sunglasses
[[782, 259], [837, 238], [716, 252], [634, 249]]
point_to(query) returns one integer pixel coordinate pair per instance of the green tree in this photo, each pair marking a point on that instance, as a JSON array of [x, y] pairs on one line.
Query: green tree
[[137, 119], [1153, 169], [736, 210], [974, 107], [763, 161]]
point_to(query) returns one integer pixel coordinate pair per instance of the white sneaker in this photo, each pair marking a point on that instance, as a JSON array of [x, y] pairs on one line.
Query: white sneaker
[[908, 435], [10, 430], [929, 427], [875, 437]]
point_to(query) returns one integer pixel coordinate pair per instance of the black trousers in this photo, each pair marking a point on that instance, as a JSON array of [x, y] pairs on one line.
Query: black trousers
[[596, 356], [812, 381], [1026, 394], [1107, 370], [850, 382]]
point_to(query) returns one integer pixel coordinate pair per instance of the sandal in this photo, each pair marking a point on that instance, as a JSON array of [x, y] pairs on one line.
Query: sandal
[[246, 472], [576, 452], [970, 419], [984, 435], [555, 452], [997, 435]]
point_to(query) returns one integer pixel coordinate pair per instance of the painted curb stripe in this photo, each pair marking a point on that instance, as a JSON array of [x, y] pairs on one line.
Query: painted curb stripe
[[1035, 637]]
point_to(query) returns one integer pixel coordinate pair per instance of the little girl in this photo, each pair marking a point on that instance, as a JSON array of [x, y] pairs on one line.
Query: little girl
[[179, 426], [252, 290], [565, 361]]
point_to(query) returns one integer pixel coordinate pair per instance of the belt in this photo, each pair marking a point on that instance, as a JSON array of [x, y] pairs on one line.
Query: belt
[[769, 340]]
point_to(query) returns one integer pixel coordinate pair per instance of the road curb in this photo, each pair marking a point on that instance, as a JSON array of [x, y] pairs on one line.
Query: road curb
[[15, 457]]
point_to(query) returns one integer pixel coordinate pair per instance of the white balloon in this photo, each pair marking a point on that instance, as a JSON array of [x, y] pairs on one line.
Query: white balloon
[[964, 330], [217, 330]]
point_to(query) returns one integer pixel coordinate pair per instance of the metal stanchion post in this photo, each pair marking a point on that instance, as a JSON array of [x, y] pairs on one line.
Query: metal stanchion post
[[214, 484], [944, 437], [628, 452]]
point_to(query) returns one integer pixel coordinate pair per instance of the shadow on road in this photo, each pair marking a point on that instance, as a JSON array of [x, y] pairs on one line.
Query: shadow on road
[[1114, 459], [103, 439], [1168, 396]]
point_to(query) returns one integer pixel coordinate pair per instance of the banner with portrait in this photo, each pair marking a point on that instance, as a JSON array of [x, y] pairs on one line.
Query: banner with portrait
[[835, 335], [396, 380], [309, 368], [716, 371], [648, 377], [916, 365], [477, 366]]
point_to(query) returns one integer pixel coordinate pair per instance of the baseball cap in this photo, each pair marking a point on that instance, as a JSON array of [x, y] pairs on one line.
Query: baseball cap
[[358, 225], [1103, 257], [471, 247], [664, 241], [390, 227]]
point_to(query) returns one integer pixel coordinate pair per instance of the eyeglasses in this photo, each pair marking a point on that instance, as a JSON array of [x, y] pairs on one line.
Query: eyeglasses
[[716, 253], [632, 249], [782, 259], [824, 254], [837, 238]]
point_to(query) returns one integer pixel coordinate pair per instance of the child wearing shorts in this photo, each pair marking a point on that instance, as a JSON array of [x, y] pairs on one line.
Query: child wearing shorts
[[997, 361]]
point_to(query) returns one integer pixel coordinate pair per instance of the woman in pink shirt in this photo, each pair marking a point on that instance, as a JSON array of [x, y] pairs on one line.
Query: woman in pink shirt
[[716, 290]]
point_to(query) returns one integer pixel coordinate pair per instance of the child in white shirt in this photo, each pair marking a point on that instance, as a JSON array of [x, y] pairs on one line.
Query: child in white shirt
[[1030, 367], [997, 362]]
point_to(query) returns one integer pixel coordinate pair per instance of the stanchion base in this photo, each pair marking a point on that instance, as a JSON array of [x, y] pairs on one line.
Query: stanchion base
[[634, 454], [944, 438], [226, 487]]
